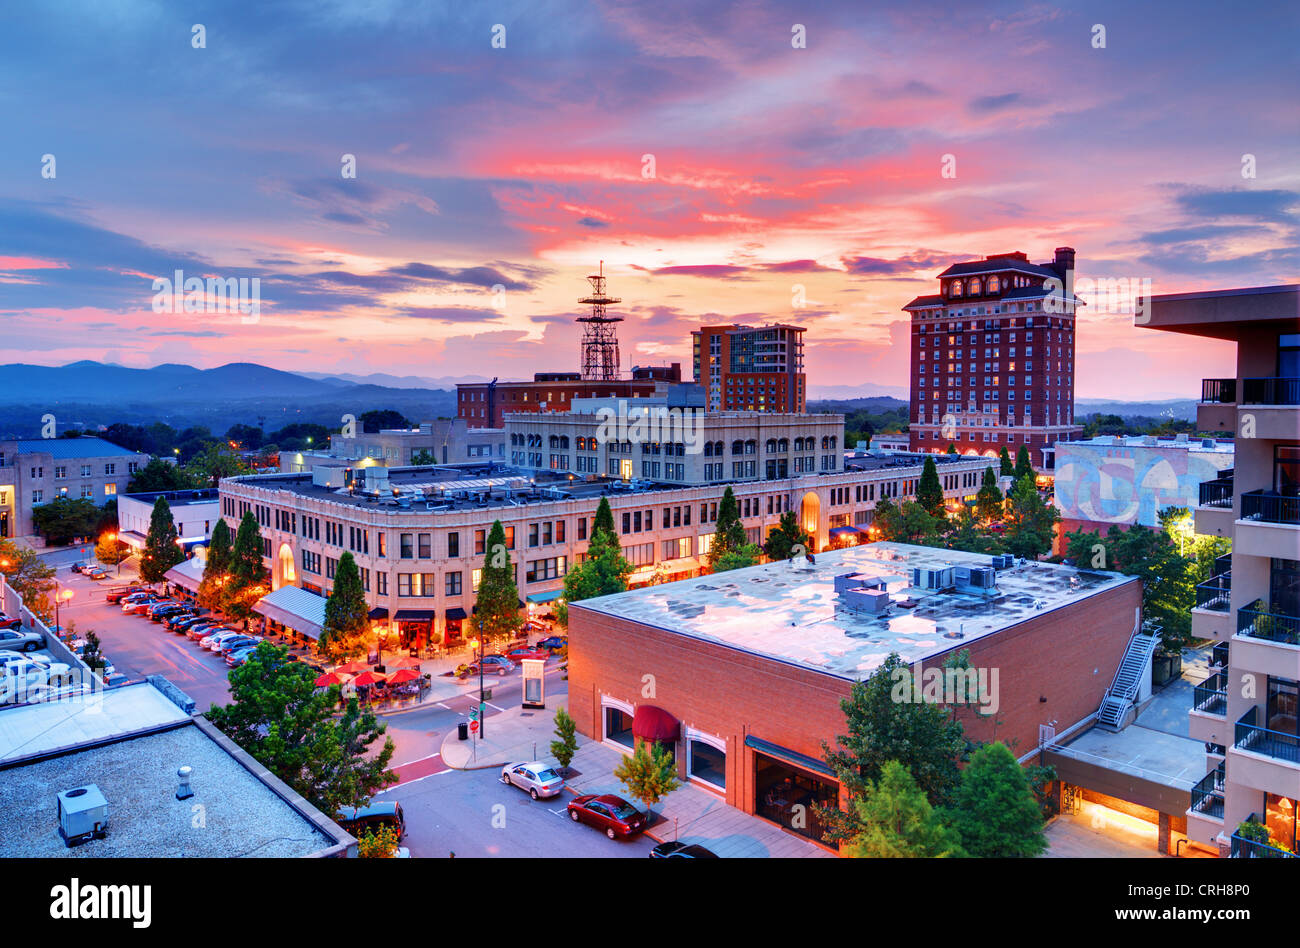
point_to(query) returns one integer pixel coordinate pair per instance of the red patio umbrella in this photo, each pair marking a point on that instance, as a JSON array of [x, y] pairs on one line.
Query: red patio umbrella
[[368, 678], [403, 675], [352, 668], [332, 678], [404, 662]]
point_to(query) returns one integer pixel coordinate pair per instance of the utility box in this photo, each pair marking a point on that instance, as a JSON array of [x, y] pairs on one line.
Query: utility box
[[83, 815]]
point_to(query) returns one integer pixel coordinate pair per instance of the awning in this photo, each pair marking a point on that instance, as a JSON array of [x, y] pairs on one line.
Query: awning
[[133, 538], [415, 615], [655, 724], [379, 612], [843, 531], [793, 757], [294, 607], [186, 575], [681, 564], [551, 596], [455, 615]]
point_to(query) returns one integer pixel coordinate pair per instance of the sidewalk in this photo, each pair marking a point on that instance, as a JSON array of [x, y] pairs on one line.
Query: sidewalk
[[689, 813]]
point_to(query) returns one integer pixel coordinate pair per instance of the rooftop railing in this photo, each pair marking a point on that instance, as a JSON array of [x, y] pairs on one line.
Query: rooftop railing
[[1248, 735], [1271, 391], [1219, 391], [1269, 506], [1207, 795], [1273, 626], [1218, 492], [1211, 695], [1215, 593]]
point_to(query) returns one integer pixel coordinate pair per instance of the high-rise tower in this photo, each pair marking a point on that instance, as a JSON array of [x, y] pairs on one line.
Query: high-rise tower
[[599, 337]]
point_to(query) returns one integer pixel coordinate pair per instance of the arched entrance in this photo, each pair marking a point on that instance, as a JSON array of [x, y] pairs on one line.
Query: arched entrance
[[284, 573], [810, 514]]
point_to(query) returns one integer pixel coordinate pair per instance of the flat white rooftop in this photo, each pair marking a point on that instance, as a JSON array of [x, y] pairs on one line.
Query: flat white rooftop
[[790, 612], [1205, 445], [46, 726]]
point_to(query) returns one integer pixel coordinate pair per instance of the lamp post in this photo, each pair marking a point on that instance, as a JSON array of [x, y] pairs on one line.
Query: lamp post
[[65, 595], [117, 554]]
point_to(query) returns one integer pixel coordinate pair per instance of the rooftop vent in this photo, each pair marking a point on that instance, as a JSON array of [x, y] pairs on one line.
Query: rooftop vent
[[83, 815]]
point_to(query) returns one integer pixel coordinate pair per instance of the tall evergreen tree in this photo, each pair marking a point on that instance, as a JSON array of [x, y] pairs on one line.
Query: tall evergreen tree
[[217, 567], [161, 546], [247, 583], [994, 808], [787, 538], [604, 571], [603, 522], [929, 492], [988, 502], [1024, 466], [897, 822], [1005, 469], [729, 532], [952, 448], [346, 630], [497, 616]]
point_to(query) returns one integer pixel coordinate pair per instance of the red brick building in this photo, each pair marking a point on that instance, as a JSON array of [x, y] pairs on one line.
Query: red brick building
[[483, 404], [992, 357], [751, 368], [743, 673]]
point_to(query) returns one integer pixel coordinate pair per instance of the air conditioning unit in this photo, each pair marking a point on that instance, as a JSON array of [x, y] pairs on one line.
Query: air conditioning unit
[[871, 601], [83, 815], [1004, 561], [925, 577], [980, 577]]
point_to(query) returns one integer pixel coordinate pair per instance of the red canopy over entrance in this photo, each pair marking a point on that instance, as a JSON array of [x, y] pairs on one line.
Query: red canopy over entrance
[[655, 724]]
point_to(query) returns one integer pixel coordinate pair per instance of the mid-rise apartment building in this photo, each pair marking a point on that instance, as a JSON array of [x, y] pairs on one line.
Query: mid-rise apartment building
[[751, 368], [1247, 711], [444, 441], [36, 471], [992, 360], [485, 404]]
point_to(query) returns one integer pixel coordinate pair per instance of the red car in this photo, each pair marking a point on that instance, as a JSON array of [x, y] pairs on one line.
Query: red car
[[519, 654], [117, 595], [614, 815]]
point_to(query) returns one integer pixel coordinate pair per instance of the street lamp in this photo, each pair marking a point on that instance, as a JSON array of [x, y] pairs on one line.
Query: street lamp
[[117, 554], [65, 595]]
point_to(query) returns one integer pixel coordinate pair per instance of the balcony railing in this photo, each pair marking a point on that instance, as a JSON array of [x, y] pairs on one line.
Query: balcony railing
[[1218, 492], [1215, 593], [1207, 795], [1248, 735], [1219, 391], [1250, 849], [1275, 391], [1219, 655], [1222, 564], [1272, 626], [1268, 506], [1211, 695]]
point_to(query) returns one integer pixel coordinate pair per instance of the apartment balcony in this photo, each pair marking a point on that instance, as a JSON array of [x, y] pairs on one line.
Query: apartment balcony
[[1267, 643], [1250, 849], [1207, 719], [1217, 410], [1268, 525], [1282, 392], [1211, 616], [1205, 815], [1219, 656], [1264, 759], [1214, 506]]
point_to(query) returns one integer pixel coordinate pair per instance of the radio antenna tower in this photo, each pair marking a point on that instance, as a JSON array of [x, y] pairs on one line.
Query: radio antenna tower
[[599, 337]]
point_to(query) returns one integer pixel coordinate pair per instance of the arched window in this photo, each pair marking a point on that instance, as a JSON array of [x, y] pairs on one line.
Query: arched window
[[555, 441], [954, 288], [826, 442], [717, 449], [798, 444], [708, 449], [834, 441], [770, 447], [751, 446], [564, 441], [737, 447], [974, 289], [783, 445], [994, 284]]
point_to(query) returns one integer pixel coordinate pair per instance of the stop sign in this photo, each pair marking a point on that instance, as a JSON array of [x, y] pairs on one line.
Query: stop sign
[[473, 726]]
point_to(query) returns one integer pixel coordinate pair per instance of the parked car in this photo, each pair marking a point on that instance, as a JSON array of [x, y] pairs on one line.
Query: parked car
[[97, 573], [519, 654], [81, 566], [608, 813], [161, 614], [121, 592], [217, 636], [138, 607], [220, 640], [11, 622], [179, 623], [7, 656], [25, 680], [680, 850], [162, 605], [494, 663], [537, 778], [554, 643], [19, 641], [236, 643], [199, 629], [239, 656], [370, 818]]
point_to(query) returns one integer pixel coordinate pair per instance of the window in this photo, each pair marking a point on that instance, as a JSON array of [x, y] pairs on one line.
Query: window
[[453, 545], [408, 550], [426, 546], [110, 490], [453, 583]]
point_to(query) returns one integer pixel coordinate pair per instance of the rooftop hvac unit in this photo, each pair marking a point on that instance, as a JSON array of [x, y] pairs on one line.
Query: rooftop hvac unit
[[925, 577], [83, 815], [980, 577], [871, 601], [1004, 561]]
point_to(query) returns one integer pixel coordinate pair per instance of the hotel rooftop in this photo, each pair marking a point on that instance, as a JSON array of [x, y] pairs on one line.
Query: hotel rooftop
[[790, 611]]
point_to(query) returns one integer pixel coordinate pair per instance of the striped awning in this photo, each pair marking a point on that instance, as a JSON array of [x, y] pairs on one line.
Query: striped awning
[[296, 608], [187, 574]]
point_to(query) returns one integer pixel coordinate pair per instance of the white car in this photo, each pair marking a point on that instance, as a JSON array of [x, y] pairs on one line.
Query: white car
[[539, 779], [213, 642], [24, 680]]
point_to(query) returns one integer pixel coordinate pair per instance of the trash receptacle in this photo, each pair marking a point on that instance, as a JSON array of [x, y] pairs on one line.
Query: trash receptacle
[[462, 731]]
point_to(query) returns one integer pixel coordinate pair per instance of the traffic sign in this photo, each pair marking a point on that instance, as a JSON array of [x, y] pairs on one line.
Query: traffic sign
[[482, 710], [473, 714], [473, 726]]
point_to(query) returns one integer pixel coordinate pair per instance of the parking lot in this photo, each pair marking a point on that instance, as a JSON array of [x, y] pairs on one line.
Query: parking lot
[[138, 647]]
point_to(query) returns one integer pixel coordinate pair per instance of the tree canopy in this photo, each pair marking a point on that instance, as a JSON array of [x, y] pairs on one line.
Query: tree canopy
[[729, 531], [346, 632], [929, 492], [498, 616], [162, 548], [895, 821], [787, 538], [994, 809]]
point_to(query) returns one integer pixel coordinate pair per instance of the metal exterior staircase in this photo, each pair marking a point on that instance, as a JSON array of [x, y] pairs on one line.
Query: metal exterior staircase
[[1128, 678]]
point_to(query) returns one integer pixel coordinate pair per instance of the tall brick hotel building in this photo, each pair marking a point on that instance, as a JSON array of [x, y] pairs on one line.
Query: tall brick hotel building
[[993, 357]]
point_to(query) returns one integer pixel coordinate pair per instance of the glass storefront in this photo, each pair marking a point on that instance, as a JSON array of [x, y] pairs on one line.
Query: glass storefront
[[788, 796], [708, 764], [618, 727]]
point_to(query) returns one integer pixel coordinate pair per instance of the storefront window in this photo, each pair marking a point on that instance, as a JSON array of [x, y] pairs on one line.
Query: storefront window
[[708, 764], [788, 796], [618, 727]]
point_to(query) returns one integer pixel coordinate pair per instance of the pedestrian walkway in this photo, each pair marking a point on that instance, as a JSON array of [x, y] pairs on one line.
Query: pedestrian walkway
[[690, 813]]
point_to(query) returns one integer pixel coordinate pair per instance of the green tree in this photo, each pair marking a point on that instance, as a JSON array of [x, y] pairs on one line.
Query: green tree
[[279, 716], [1024, 467], [247, 582], [929, 492], [30, 577], [380, 843], [216, 570], [346, 631], [216, 461], [994, 808], [93, 655], [729, 531], [887, 718], [747, 555], [909, 523], [380, 418], [787, 538], [988, 502], [162, 548], [159, 475], [64, 519], [649, 775], [423, 457], [952, 448], [1029, 521], [110, 550], [566, 743], [497, 618], [896, 821], [1006, 468], [603, 572], [965, 534]]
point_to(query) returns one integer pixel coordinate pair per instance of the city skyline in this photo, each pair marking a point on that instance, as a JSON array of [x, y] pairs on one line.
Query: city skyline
[[790, 184]]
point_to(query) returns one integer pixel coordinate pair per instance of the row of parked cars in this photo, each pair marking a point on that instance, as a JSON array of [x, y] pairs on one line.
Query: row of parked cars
[[187, 619], [92, 570]]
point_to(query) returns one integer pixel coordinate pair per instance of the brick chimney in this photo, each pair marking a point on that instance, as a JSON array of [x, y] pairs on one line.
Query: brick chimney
[[1064, 261]]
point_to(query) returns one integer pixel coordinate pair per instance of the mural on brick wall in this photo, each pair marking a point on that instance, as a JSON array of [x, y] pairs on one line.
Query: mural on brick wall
[[1129, 484]]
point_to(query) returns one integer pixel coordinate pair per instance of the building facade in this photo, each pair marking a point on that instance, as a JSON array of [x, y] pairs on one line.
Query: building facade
[[485, 404], [194, 512], [36, 471], [992, 357], [445, 441], [1247, 712], [751, 368]]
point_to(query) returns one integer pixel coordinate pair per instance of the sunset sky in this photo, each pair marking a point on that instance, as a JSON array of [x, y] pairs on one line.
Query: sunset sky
[[523, 167]]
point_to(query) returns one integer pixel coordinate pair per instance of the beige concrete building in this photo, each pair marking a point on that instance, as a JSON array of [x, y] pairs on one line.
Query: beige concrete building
[[1247, 712], [38, 470], [445, 441]]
